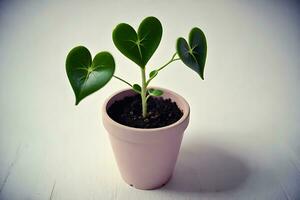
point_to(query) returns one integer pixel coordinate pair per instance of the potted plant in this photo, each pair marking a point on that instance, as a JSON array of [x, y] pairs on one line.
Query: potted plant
[[145, 124]]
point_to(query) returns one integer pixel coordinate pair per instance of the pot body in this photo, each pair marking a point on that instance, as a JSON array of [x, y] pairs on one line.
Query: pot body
[[146, 157]]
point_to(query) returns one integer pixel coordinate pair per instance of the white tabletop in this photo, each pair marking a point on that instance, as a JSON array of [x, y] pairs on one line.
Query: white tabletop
[[243, 137]]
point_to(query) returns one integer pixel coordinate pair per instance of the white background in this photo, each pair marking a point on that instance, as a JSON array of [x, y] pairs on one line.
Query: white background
[[243, 137]]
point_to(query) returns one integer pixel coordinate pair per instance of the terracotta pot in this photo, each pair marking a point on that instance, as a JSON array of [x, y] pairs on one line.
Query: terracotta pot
[[146, 157]]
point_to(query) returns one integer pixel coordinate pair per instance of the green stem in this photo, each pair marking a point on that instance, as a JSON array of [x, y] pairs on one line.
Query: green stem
[[148, 97], [144, 92], [169, 62], [120, 79]]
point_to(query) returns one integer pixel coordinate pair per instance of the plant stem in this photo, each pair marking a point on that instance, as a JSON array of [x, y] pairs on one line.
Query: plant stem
[[144, 92], [120, 79], [169, 62]]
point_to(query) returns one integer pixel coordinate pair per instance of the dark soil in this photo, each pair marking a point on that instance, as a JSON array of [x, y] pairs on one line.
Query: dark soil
[[128, 111]]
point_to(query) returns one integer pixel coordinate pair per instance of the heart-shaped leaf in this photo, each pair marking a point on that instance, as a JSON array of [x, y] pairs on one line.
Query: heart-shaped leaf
[[137, 88], [153, 73], [87, 76], [155, 92], [194, 53], [138, 47]]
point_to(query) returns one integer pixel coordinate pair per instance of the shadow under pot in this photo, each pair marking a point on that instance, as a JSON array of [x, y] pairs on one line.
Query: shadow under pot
[[146, 157]]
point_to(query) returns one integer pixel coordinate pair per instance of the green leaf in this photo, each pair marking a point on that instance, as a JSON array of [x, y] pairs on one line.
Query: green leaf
[[155, 92], [153, 74], [193, 54], [138, 47], [137, 88], [87, 76]]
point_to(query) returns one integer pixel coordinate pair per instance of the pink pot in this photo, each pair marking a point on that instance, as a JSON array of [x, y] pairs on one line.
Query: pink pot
[[146, 157]]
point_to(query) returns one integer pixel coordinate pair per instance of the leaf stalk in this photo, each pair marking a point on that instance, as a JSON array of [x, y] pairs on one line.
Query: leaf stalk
[[120, 79]]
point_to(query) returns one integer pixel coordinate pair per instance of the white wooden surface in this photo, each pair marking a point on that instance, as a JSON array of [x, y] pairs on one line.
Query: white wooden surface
[[243, 138]]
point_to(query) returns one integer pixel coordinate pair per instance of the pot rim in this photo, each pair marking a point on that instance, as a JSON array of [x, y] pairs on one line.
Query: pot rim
[[185, 115]]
